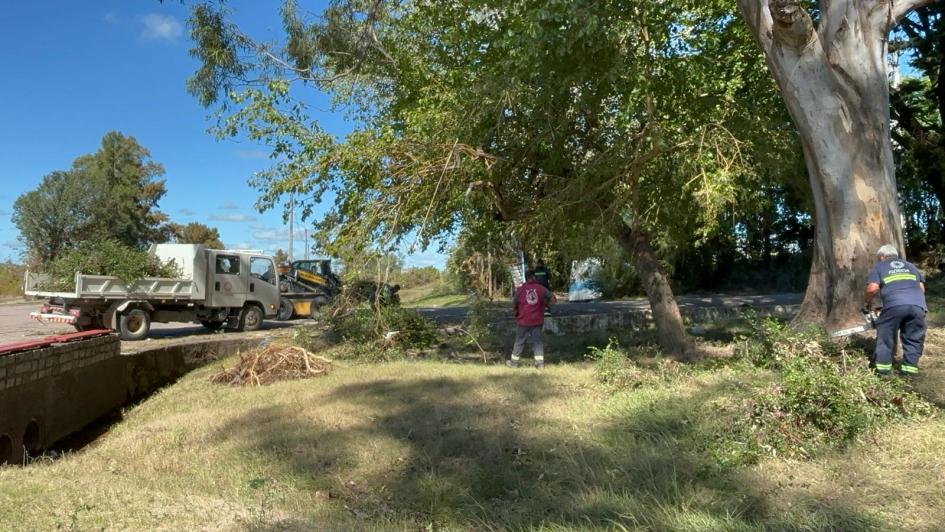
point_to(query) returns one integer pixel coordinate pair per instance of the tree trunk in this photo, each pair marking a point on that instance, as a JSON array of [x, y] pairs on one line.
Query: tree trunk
[[670, 329], [834, 80]]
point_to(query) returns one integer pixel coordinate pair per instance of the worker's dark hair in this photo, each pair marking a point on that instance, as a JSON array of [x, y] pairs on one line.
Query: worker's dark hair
[[529, 274]]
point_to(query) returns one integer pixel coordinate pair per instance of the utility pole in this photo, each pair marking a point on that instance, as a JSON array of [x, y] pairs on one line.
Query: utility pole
[[306, 243], [291, 225]]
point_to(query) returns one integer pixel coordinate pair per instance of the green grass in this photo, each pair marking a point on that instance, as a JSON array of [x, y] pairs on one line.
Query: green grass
[[434, 295], [449, 446]]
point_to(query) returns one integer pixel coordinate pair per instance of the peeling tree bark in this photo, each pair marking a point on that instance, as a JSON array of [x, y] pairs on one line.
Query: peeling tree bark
[[834, 80]]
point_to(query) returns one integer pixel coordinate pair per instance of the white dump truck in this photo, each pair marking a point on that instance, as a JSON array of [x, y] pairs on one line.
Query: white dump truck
[[217, 288]]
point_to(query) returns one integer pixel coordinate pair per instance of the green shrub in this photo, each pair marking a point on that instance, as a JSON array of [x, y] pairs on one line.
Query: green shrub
[[385, 327], [820, 398], [773, 343], [106, 257], [11, 279], [614, 367]]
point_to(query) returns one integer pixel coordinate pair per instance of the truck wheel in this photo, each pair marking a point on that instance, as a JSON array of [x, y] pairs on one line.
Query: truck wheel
[[285, 310], [212, 324], [250, 319], [134, 324]]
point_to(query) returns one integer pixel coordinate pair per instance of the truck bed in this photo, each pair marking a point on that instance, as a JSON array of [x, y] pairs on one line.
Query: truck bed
[[105, 287]]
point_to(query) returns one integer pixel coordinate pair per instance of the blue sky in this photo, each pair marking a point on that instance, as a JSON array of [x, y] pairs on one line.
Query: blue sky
[[75, 70]]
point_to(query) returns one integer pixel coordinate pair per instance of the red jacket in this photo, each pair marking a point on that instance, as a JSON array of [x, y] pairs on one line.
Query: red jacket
[[530, 302]]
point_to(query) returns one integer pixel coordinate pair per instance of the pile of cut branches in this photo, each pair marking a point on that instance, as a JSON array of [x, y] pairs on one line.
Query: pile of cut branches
[[271, 364]]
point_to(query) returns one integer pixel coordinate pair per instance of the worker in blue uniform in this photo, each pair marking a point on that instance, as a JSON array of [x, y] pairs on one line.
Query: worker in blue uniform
[[902, 288]]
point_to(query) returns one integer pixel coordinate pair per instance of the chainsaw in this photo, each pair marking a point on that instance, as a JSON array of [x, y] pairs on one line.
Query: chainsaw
[[869, 324]]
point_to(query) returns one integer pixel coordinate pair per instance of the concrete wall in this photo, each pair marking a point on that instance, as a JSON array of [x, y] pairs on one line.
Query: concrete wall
[[49, 393], [641, 319]]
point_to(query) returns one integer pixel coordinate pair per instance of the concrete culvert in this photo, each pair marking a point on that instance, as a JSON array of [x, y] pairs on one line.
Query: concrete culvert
[[6, 448], [32, 438]]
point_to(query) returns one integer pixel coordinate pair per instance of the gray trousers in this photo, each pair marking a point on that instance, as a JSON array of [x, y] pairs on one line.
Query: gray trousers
[[533, 335]]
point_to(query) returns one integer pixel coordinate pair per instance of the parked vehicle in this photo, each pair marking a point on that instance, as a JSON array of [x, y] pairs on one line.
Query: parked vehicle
[[306, 285], [236, 289]]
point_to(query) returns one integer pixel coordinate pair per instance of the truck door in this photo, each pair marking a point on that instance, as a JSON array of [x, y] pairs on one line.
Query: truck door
[[227, 280], [264, 284]]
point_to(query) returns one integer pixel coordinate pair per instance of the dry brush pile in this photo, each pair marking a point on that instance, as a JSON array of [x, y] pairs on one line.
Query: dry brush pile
[[272, 364]]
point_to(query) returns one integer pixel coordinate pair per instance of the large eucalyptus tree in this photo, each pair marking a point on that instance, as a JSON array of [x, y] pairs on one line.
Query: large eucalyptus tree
[[830, 60]]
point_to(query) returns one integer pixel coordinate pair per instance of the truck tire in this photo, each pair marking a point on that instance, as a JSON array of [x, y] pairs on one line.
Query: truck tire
[[250, 319], [212, 325], [134, 324], [286, 310]]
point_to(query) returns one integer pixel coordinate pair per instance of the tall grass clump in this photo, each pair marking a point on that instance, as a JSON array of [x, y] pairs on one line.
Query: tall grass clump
[[618, 368]]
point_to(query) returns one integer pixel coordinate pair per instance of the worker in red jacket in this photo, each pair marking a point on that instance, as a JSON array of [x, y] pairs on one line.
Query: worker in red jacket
[[530, 302]]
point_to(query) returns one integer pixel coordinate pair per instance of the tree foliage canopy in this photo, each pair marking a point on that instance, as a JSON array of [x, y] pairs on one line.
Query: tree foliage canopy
[[503, 117], [111, 194], [196, 233]]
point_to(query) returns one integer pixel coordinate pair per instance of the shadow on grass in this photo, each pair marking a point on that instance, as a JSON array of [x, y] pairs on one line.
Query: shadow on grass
[[480, 454]]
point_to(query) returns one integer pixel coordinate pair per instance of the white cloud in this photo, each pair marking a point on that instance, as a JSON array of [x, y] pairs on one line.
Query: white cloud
[[112, 18], [230, 206], [270, 235], [186, 212], [232, 218], [12, 244], [160, 27]]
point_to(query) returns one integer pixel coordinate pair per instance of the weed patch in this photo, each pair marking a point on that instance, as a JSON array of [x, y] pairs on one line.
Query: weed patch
[[818, 401]]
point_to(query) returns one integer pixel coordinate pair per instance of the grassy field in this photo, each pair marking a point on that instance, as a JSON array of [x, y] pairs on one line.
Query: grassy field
[[431, 445], [433, 295]]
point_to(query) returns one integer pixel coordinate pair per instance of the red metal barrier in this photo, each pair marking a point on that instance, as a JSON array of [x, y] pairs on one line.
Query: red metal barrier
[[29, 345]]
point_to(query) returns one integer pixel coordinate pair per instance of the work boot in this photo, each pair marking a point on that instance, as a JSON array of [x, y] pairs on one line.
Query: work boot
[[511, 363], [539, 365]]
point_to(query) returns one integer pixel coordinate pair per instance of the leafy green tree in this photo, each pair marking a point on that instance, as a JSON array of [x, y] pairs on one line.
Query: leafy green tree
[[111, 194], [53, 217], [196, 233], [918, 112], [559, 120], [281, 257], [124, 184]]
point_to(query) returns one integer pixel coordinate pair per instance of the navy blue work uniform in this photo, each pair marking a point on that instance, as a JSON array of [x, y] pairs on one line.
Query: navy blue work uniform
[[903, 312]]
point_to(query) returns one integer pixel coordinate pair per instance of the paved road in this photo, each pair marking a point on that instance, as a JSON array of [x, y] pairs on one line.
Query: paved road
[[16, 325]]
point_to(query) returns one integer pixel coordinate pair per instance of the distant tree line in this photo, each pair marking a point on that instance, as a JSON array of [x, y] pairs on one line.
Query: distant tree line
[[109, 195]]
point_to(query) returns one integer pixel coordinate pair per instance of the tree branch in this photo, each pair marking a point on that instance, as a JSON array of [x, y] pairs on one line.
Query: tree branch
[[898, 9], [758, 18]]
